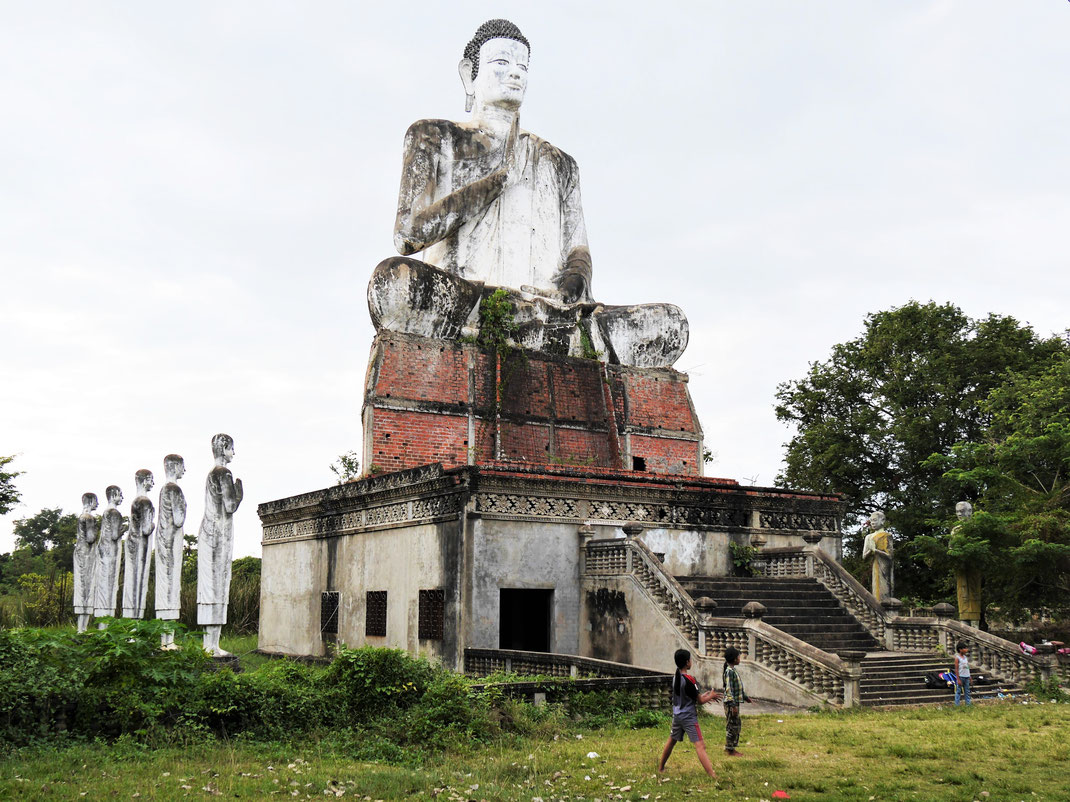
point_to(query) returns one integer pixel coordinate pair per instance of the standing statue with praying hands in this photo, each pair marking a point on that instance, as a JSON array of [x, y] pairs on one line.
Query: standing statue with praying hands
[[215, 544], [967, 579], [85, 561], [878, 545], [170, 520], [106, 581], [491, 206], [138, 547]]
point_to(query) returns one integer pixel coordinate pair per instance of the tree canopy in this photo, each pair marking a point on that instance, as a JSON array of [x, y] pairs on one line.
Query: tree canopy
[[913, 384], [9, 495], [1019, 473]]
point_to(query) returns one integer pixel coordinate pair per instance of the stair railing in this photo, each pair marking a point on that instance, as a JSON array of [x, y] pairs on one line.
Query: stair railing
[[631, 557], [995, 655], [899, 633], [826, 675]]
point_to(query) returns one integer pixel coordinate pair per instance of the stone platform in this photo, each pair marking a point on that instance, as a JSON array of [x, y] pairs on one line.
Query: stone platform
[[441, 401], [436, 559]]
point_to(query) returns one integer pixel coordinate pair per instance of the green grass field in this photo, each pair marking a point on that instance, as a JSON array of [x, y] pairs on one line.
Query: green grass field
[[1005, 751]]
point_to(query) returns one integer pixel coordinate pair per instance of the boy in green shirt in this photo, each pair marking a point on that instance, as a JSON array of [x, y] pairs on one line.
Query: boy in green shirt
[[733, 697]]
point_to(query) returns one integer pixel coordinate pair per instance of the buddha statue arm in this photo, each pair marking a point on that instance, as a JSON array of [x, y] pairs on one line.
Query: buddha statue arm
[[422, 221], [230, 491], [574, 278], [178, 508]]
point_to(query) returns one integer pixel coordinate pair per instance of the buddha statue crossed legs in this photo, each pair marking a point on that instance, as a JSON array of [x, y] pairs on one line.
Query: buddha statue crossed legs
[[490, 206]]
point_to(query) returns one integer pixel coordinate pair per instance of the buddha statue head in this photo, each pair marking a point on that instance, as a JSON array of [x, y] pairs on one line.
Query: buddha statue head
[[143, 481], [89, 502], [877, 520], [964, 510], [174, 467], [223, 448], [114, 495], [494, 69]]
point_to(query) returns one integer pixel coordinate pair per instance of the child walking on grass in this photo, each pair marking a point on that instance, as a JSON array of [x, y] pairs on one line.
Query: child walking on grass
[[685, 701], [733, 697]]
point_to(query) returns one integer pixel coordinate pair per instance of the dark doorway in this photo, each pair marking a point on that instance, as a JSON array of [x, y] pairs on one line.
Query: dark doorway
[[525, 619]]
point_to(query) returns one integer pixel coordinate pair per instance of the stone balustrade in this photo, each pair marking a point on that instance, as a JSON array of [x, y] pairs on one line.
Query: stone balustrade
[[631, 557], [481, 662], [826, 675]]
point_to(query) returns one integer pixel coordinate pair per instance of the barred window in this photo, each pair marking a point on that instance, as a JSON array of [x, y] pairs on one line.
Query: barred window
[[375, 613], [329, 612], [432, 613]]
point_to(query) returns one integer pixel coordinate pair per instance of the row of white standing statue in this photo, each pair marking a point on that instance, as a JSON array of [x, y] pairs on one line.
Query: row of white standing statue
[[97, 554]]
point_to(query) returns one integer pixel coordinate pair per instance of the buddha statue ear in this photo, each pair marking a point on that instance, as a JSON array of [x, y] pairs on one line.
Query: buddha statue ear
[[464, 69]]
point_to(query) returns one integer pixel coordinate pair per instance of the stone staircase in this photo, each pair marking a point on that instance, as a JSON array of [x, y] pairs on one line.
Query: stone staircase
[[895, 678], [807, 610], [801, 607]]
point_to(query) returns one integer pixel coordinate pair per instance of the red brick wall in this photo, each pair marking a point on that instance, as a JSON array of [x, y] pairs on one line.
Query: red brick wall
[[403, 439], [542, 395], [435, 371], [657, 402], [576, 447], [666, 456]]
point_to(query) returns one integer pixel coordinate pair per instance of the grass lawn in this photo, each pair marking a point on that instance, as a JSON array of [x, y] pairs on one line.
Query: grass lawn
[[1005, 751]]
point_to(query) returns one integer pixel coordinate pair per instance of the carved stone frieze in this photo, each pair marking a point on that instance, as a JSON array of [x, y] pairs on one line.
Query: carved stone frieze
[[430, 493], [777, 519]]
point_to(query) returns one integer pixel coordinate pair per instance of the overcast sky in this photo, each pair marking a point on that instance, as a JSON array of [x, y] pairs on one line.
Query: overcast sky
[[193, 196]]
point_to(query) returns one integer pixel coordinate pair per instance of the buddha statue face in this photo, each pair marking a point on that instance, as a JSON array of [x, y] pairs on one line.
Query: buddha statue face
[[174, 467], [502, 78], [964, 510], [143, 481], [876, 521]]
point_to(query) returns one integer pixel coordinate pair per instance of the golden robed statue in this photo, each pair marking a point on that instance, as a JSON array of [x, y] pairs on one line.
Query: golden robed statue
[[878, 545]]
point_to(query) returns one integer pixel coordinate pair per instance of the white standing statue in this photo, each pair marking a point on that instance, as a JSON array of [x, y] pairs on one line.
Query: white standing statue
[[215, 544], [108, 554], [85, 561], [170, 519], [138, 548], [489, 205], [878, 544]]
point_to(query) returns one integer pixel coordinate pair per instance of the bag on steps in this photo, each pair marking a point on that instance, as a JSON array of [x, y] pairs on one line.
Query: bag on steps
[[939, 680]]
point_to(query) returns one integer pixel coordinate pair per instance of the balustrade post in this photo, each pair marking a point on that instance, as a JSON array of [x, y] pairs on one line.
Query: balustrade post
[[852, 678], [944, 612], [809, 560], [586, 533], [705, 607], [1045, 655]]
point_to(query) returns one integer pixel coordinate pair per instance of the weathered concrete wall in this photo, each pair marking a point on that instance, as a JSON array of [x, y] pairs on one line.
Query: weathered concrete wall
[[646, 632], [524, 555], [291, 580], [402, 562]]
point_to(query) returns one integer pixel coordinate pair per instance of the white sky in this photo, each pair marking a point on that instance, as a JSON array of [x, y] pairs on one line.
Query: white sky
[[193, 196]]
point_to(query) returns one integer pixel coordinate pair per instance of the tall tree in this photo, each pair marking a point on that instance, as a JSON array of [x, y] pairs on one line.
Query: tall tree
[[49, 530], [869, 417], [9, 495], [1019, 471]]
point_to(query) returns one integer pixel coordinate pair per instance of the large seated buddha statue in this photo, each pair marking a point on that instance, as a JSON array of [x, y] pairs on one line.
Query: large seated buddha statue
[[489, 205]]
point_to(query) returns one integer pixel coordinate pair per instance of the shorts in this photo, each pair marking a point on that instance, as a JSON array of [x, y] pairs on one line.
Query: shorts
[[688, 725]]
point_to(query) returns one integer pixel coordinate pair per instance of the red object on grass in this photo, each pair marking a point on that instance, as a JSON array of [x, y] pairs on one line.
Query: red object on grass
[[781, 795]]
